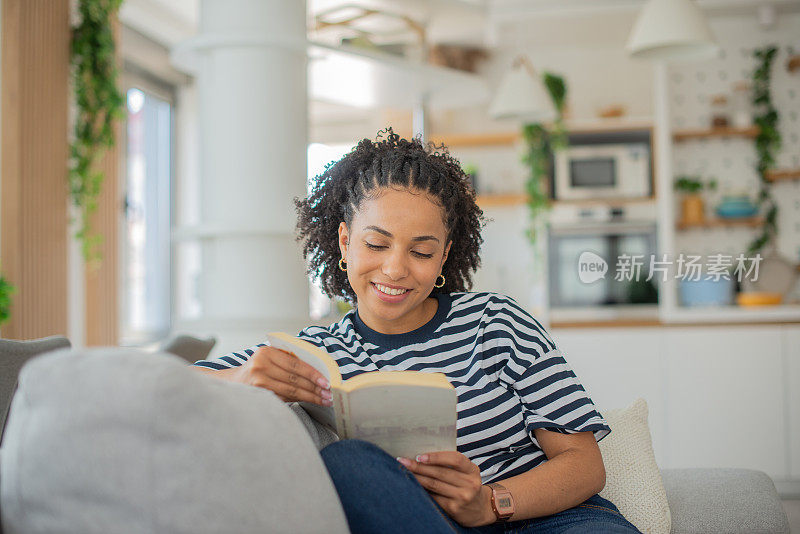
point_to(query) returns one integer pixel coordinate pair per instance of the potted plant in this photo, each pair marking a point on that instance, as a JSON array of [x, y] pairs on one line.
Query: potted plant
[[692, 205], [541, 140]]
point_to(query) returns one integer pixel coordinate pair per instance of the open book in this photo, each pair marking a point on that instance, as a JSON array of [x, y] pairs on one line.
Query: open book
[[405, 413]]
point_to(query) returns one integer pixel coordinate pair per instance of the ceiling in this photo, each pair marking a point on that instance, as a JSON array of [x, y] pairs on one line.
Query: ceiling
[[488, 23], [493, 24]]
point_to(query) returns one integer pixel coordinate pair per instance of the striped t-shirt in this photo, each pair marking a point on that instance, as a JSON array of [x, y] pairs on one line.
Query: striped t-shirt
[[509, 376]]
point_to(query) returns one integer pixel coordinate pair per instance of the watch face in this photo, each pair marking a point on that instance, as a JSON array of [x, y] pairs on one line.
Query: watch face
[[505, 505], [502, 502]]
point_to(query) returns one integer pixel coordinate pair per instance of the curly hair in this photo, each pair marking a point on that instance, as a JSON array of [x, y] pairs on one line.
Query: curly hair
[[338, 192]]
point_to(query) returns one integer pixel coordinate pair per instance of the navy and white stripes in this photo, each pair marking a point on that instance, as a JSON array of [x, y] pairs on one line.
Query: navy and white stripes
[[509, 375]]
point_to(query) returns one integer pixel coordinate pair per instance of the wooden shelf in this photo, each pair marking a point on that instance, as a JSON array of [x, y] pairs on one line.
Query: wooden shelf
[[605, 201], [683, 135], [614, 124], [623, 124], [573, 126], [511, 199], [614, 323], [751, 222], [486, 139], [776, 175]]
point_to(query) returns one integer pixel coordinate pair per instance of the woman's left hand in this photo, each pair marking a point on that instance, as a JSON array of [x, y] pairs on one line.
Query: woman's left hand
[[454, 482]]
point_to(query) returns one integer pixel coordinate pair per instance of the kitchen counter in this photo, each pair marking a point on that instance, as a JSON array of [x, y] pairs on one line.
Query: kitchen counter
[[649, 316]]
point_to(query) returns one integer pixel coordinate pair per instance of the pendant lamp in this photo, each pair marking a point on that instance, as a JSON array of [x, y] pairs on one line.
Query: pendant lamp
[[671, 30], [522, 95]]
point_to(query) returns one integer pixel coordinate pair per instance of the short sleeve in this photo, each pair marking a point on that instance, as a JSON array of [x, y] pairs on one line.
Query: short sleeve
[[551, 394], [555, 399]]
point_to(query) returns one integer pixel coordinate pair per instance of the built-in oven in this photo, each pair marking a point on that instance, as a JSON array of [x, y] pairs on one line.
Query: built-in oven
[[605, 264]]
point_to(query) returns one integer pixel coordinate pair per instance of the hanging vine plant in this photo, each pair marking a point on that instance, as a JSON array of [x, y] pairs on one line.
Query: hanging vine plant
[[99, 103], [6, 290], [541, 141], [767, 142]]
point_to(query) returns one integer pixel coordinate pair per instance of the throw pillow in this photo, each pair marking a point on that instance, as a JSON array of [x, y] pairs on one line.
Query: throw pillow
[[120, 440], [633, 480]]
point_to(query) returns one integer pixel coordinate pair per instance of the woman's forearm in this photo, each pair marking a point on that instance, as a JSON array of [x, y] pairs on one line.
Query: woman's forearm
[[558, 484]]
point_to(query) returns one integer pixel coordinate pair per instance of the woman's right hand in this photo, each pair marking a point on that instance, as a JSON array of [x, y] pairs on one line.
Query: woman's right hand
[[286, 375]]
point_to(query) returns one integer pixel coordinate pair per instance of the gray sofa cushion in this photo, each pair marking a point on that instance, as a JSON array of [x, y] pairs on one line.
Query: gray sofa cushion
[[189, 348], [13, 355], [320, 435], [112, 440], [709, 501]]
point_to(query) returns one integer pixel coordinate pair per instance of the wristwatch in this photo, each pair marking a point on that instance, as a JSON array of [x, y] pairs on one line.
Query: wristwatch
[[502, 501]]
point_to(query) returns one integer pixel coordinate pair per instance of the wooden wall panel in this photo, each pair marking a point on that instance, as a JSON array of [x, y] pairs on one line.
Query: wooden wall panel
[[33, 253], [102, 283], [102, 294]]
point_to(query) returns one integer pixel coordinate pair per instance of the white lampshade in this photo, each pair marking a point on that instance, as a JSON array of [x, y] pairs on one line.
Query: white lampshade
[[671, 30], [522, 95]]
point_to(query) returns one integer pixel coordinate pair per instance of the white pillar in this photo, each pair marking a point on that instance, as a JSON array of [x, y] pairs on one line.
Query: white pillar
[[249, 60], [662, 143]]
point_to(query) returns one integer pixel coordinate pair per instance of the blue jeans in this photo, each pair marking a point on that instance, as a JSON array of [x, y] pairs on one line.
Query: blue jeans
[[380, 495]]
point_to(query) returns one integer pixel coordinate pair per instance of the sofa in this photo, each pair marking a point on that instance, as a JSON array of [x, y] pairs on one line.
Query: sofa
[[120, 440]]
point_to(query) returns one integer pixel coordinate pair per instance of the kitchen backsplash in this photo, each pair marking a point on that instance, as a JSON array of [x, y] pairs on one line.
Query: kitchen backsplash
[[732, 160]]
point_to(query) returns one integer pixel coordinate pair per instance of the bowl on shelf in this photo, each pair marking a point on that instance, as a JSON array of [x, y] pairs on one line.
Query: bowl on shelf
[[612, 111], [738, 207]]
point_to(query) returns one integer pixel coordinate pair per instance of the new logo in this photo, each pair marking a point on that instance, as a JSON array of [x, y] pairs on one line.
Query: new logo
[[591, 267]]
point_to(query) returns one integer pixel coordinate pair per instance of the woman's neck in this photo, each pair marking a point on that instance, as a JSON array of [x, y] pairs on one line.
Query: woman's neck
[[427, 310]]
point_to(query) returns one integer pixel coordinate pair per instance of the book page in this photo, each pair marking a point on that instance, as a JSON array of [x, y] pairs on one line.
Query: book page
[[324, 414], [410, 378], [403, 420], [316, 357], [322, 362]]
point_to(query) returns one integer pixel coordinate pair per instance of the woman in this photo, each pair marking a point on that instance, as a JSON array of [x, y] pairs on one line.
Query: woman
[[393, 227]]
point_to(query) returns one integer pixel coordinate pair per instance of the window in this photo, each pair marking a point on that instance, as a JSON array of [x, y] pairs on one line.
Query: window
[[146, 251]]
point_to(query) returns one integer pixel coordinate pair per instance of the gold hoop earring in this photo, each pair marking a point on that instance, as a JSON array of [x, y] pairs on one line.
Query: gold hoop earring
[[437, 279], [340, 265]]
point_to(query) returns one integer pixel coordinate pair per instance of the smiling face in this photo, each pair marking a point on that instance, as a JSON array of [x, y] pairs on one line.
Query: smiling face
[[395, 248]]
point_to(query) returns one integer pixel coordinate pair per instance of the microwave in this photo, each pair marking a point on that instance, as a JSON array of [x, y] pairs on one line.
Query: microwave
[[584, 172]]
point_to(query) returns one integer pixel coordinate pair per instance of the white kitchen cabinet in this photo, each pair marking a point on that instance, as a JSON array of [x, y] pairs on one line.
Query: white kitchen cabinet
[[719, 396], [725, 398], [616, 366], [791, 357]]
